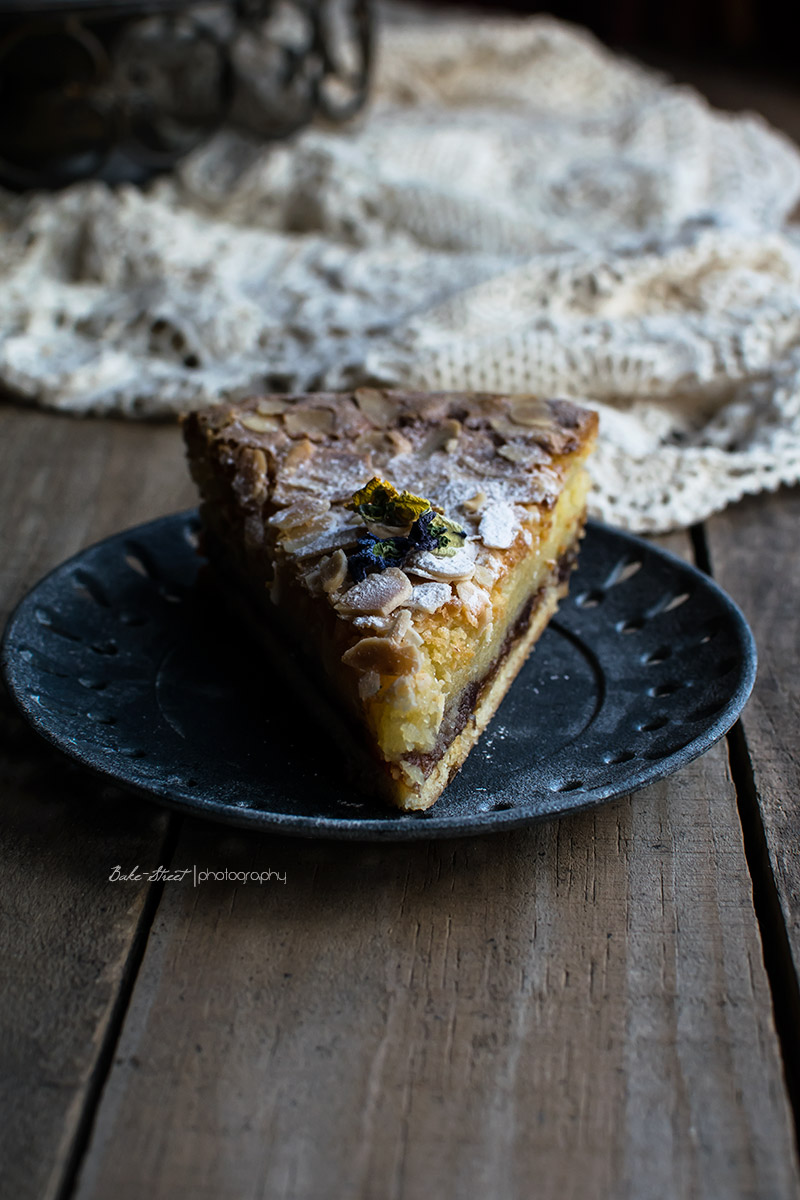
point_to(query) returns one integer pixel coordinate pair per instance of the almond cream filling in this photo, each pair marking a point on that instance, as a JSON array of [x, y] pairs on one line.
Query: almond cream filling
[[458, 645]]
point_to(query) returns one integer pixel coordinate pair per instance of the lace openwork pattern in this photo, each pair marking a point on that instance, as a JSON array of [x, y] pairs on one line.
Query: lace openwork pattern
[[518, 210]]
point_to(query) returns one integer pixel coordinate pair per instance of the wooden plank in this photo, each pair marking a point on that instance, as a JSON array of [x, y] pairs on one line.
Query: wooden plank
[[69, 936], [755, 555], [578, 1010]]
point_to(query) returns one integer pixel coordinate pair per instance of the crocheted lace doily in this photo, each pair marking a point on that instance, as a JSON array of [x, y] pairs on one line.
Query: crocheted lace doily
[[519, 210]]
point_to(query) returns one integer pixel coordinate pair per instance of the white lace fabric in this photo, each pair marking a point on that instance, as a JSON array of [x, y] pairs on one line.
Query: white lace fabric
[[518, 210]]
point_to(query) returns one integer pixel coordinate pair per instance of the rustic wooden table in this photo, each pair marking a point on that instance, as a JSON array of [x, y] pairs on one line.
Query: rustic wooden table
[[600, 1006]]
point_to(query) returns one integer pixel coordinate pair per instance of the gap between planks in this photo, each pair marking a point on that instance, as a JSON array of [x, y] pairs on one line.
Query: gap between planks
[[116, 1020], [775, 942]]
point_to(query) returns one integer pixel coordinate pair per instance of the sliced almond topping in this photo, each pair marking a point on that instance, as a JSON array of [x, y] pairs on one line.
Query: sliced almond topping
[[476, 602], [504, 427], [320, 542], [250, 482], [524, 455], [376, 440], [400, 443], [222, 419], [305, 483], [402, 629], [299, 453], [499, 525], [315, 423], [373, 624], [380, 593], [443, 437], [429, 596], [271, 406], [460, 565], [299, 513], [475, 503], [484, 576], [333, 570], [259, 424], [375, 406], [383, 656], [532, 412], [402, 626]]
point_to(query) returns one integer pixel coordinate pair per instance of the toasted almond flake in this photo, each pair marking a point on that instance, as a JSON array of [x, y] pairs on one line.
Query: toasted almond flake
[[411, 636], [499, 525], [440, 438], [383, 656], [429, 596], [271, 406], [460, 565], [523, 455], [476, 602], [380, 593], [299, 513], [376, 440], [222, 419], [299, 453], [374, 624], [332, 571], [475, 503], [484, 576], [401, 626], [376, 406], [320, 543], [531, 411], [304, 483], [403, 629], [258, 424], [250, 482], [400, 443], [315, 423], [506, 428]]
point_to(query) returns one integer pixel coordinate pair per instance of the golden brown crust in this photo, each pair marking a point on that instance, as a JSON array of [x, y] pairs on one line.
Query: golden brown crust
[[276, 474]]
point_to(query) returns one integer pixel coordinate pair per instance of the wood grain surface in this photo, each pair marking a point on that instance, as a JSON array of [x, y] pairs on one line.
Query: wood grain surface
[[67, 937], [755, 554], [576, 1010]]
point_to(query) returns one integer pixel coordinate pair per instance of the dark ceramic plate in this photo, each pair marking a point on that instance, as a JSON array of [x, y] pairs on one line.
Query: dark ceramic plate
[[116, 659]]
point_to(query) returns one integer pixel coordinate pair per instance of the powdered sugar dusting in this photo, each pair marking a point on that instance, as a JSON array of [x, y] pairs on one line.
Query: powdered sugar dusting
[[380, 593], [460, 565], [429, 596], [499, 526]]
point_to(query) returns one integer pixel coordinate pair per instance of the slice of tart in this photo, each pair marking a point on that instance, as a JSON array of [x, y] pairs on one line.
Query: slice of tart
[[398, 554]]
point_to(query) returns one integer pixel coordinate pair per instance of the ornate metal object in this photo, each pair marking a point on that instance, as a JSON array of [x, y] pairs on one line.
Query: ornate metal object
[[121, 89]]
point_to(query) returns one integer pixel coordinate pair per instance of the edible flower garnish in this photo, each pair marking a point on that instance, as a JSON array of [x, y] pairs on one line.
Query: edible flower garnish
[[435, 532], [376, 554], [380, 503]]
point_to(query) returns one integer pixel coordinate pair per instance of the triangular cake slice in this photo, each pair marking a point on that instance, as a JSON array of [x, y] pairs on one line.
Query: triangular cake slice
[[397, 553]]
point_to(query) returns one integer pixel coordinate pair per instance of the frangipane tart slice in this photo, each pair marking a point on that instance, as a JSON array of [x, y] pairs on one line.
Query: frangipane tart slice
[[398, 554]]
